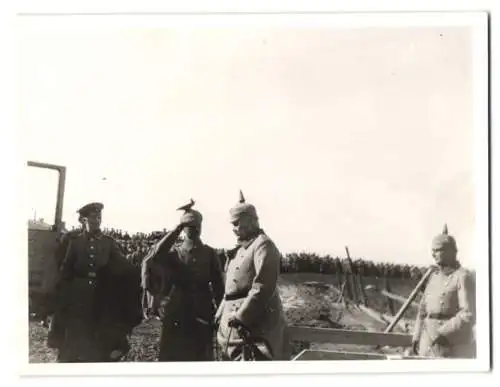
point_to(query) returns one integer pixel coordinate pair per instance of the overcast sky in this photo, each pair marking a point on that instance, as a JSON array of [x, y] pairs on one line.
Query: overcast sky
[[358, 137]]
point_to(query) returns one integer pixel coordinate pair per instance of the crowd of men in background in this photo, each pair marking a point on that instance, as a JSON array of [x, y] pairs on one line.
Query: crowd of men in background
[[136, 246]]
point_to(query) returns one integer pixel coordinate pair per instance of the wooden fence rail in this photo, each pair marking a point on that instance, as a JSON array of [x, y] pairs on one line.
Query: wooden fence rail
[[349, 337]]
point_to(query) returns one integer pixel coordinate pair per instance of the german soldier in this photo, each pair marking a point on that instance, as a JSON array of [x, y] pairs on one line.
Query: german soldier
[[251, 315], [446, 315], [97, 295], [188, 281]]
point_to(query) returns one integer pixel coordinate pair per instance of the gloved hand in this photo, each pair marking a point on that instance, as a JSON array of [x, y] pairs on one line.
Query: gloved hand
[[441, 340], [234, 322], [242, 330]]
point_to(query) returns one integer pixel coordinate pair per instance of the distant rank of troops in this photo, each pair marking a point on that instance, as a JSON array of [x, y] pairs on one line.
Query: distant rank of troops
[[211, 309]]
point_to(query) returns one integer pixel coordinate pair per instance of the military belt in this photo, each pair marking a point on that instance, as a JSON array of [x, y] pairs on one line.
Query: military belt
[[235, 296], [438, 316]]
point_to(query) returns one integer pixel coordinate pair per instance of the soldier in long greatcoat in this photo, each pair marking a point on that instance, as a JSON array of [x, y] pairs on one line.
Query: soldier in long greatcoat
[[187, 281], [446, 315], [96, 298], [251, 314]]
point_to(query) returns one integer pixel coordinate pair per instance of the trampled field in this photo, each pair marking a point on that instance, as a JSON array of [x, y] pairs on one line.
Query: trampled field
[[309, 300]]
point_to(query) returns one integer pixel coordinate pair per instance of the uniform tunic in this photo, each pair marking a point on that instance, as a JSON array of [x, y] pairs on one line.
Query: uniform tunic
[[447, 309], [190, 291], [97, 299], [251, 293]]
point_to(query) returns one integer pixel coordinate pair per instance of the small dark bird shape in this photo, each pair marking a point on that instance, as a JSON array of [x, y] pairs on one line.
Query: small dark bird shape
[[242, 198], [445, 229], [187, 207]]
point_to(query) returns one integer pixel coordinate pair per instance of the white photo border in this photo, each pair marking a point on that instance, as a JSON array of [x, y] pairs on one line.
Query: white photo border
[[478, 23]]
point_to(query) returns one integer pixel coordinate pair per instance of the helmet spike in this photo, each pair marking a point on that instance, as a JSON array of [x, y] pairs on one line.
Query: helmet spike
[[242, 198]]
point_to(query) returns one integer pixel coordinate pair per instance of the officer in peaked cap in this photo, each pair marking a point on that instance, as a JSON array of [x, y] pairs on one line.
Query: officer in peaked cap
[[97, 294], [446, 315], [91, 207], [251, 314], [188, 279]]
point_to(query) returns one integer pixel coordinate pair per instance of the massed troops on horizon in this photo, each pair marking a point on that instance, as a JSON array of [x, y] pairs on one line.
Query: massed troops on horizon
[[99, 297]]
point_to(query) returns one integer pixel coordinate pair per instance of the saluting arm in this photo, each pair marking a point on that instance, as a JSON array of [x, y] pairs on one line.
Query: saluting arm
[[165, 244], [157, 252], [267, 262]]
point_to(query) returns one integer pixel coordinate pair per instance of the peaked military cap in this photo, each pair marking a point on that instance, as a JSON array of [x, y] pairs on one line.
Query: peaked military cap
[[242, 208], [87, 209]]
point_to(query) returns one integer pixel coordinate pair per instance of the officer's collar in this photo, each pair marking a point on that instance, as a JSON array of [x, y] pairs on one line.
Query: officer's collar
[[248, 241], [449, 269], [95, 234]]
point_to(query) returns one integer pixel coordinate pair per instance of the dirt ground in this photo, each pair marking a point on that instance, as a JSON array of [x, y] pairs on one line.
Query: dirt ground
[[308, 300]]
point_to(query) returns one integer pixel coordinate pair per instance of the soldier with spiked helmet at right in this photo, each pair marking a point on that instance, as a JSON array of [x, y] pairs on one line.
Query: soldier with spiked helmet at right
[[446, 315]]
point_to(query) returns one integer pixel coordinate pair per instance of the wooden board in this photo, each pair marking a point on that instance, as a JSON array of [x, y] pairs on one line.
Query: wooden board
[[344, 336], [307, 355]]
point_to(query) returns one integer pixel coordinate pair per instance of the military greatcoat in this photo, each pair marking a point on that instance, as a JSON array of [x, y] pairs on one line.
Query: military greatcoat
[[251, 294], [447, 309], [188, 281], [96, 301]]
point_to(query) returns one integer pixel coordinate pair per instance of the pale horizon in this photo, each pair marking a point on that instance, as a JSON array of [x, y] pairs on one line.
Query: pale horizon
[[342, 137]]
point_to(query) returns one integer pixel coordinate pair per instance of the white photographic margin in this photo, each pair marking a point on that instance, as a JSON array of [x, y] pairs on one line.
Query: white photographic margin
[[478, 24]]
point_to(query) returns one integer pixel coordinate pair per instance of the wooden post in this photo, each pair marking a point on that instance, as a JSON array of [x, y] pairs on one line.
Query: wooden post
[[348, 286], [342, 298], [362, 287], [339, 277], [389, 301], [410, 299], [354, 284], [353, 278]]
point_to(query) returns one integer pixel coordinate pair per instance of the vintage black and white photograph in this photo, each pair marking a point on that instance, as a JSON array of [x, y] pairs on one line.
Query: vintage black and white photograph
[[255, 188]]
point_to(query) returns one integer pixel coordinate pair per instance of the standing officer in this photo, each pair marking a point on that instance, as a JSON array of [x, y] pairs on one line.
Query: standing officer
[[251, 314], [188, 281], [96, 301], [446, 316]]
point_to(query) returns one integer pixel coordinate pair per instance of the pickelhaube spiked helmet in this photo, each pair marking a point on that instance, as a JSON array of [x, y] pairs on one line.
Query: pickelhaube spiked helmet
[[444, 240], [190, 215], [242, 208]]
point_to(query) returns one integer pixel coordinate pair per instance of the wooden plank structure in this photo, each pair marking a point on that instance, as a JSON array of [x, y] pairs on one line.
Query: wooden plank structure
[[359, 337], [356, 295], [315, 355], [350, 337]]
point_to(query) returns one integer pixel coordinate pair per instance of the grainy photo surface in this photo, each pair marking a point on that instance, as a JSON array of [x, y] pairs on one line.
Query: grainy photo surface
[[230, 189]]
